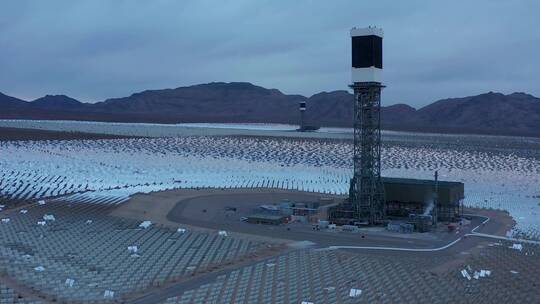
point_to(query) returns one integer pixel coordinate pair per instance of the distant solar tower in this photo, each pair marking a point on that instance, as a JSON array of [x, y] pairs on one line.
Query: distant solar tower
[[366, 186], [302, 106]]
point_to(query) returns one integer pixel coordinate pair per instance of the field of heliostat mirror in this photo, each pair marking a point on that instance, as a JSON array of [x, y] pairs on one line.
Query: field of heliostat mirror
[[56, 197]]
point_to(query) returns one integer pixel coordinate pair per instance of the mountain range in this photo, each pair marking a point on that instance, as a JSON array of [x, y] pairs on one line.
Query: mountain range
[[489, 113]]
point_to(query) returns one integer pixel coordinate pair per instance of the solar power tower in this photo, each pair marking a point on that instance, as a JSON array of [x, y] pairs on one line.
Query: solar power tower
[[367, 191], [302, 107]]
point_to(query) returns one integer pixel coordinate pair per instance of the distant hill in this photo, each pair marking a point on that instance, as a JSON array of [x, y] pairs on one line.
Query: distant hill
[[59, 102], [490, 113], [9, 103], [213, 102], [516, 113]]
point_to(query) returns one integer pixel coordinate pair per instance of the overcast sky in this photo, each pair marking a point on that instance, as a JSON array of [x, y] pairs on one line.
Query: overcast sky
[[95, 49]]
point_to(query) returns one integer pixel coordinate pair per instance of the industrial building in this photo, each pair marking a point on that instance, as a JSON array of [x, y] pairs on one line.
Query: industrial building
[[291, 211], [406, 198], [413, 196], [268, 219]]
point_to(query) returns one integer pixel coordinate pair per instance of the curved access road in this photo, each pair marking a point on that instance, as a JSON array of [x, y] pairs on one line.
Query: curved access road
[[473, 233]]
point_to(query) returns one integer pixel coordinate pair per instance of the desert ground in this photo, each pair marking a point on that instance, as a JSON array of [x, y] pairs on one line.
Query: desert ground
[[15, 134]]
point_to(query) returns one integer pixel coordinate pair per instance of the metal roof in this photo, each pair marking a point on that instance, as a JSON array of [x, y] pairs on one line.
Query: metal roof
[[413, 181], [266, 216]]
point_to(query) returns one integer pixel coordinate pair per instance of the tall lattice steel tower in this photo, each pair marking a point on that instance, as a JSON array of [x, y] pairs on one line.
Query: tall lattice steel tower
[[367, 191]]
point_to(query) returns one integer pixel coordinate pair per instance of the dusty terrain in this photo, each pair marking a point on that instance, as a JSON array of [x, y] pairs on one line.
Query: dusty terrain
[[11, 134], [183, 208], [207, 209]]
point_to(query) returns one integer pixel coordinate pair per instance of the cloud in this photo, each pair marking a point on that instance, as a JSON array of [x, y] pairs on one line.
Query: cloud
[[93, 50]]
